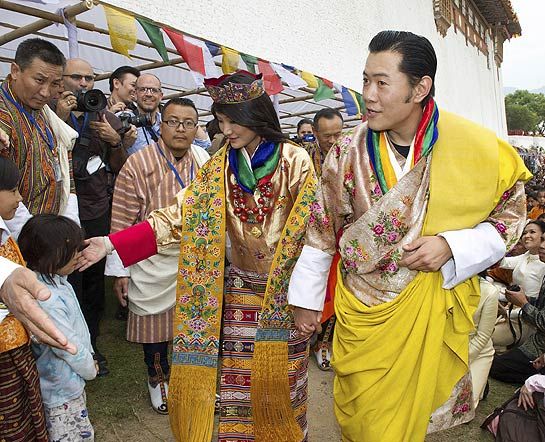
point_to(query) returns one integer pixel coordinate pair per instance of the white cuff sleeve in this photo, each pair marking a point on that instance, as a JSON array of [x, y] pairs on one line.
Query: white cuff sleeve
[[14, 225], [6, 269], [473, 250], [308, 281], [71, 210], [535, 383], [114, 266]]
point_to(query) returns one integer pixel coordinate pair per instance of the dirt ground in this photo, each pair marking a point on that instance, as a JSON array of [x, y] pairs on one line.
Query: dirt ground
[[148, 426]]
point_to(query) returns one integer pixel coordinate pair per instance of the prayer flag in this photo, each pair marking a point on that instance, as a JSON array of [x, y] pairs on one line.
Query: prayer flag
[[323, 92], [155, 36], [359, 99], [311, 80], [210, 68], [72, 31], [122, 30], [292, 80], [271, 81], [229, 61], [351, 104], [328, 83], [250, 61], [191, 53], [213, 48]]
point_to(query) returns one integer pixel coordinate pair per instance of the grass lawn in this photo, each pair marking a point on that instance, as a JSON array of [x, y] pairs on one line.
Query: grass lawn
[[120, 410]]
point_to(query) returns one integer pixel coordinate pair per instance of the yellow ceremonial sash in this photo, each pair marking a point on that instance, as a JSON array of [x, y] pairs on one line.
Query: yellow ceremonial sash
[[398, 361]]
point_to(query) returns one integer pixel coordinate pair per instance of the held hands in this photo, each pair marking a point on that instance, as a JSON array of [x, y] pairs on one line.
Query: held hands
[[526, 399], [105, 131], [94, 251], [517, 298], [121, 290], [307, 321], [427, 254], [66, 104], [19, 292]]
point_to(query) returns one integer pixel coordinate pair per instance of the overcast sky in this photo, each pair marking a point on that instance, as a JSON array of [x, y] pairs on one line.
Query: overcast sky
[[524, 57]]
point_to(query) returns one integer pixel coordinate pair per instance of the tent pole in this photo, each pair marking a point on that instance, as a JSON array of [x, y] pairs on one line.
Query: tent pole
[[45, 18]]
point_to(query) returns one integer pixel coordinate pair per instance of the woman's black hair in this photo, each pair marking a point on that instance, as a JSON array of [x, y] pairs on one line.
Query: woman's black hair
[[9, 174], [48, 242], [258, 114], [303, 121], [538, 223], [418, 57]]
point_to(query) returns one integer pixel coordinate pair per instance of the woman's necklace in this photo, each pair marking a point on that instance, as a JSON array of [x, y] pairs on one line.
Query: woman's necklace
[[254, 215]]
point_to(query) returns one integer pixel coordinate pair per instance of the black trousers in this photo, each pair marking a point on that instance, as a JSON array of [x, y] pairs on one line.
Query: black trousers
[[91, 293], [513, 367], [155, 356]]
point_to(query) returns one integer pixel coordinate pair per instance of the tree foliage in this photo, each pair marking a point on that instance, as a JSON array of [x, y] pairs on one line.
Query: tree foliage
[[525, 111]]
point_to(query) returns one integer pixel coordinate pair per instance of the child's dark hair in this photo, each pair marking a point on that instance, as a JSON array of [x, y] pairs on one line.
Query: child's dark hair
[[49, 242], [9, 174]]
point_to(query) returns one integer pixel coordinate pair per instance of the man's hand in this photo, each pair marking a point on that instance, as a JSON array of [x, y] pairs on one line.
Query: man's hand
[[4, 140], [121, 290], [105, 131], [307, 321], [130, 136], [517, 298], [427, 254], [94, 251], [66, 104], [525, 398], [539, 362], [19, 292], [117, 107]]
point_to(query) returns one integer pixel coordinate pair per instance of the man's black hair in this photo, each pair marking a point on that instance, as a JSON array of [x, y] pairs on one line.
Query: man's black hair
[[327, 113], [180, 101], [39, 48], [120, 73], [418, 57]]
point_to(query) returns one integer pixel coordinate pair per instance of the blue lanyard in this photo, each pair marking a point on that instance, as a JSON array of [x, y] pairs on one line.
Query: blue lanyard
[[174, 170], [48, 137], [79, 129]]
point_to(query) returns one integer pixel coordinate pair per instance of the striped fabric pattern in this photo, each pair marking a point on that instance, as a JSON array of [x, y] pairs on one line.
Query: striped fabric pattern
[[150, 328], [38, 186], [242, 304]]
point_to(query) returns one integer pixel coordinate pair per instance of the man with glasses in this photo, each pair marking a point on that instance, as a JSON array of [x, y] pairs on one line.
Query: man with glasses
[[148, 99], [149, 180], [98, 154]]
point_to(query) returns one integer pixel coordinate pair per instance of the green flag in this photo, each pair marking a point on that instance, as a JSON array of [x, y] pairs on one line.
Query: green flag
[[155, 36], [360, 101], [323, 92], [250, 61]]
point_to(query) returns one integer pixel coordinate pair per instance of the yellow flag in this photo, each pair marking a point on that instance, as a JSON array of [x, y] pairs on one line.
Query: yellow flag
[[122, 29], [311, 80], [229, 61]]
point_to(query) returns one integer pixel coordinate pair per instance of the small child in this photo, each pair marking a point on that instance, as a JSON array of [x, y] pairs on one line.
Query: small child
[[50, 246], [21, 411]]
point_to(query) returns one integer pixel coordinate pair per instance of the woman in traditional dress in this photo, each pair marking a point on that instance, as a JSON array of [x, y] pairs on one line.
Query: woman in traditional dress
[[254, 194]]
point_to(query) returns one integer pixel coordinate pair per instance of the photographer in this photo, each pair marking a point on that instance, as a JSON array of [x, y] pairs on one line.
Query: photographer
[[148, 99], [518, 364], [97, 152]]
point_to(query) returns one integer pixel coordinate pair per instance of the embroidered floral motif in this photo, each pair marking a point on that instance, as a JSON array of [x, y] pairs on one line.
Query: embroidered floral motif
[[389, 228], [462, 404], [388, 265], [349, 183], [352, 254], [376, 191], [318, 217]]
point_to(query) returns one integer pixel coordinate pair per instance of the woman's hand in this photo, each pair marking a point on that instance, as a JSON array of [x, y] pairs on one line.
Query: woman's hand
[[526, 399], [539, 362], [517, 298], [94, 251]]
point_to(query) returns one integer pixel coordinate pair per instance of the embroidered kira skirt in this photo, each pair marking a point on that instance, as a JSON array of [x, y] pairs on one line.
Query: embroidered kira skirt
[[21, 410], [242, 303]]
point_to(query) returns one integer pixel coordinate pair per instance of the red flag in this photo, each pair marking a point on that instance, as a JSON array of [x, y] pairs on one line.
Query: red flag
[[191, 53], [328, 83], [271, 80]]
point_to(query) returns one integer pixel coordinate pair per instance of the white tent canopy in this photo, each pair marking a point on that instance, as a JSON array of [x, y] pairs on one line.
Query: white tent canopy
[[24, 19]]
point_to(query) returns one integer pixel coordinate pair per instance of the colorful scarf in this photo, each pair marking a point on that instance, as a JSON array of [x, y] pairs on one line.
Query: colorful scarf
[[426, 136], [197, 316], [264, 162]]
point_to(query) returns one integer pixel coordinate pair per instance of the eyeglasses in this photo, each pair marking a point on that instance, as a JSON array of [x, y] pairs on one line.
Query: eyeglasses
[[187, 124], [152, 90], [78, 77]]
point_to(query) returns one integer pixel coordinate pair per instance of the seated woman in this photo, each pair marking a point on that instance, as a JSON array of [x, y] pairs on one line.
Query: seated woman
[[528, 273]]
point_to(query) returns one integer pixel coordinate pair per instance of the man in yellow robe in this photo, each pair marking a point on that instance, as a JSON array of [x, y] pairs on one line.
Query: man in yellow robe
[[420, 201]]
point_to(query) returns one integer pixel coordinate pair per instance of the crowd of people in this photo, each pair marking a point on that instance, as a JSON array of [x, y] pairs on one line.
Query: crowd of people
[[388, 249]]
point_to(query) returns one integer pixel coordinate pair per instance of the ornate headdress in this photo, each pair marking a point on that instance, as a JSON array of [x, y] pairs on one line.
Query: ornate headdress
[[233, 93]]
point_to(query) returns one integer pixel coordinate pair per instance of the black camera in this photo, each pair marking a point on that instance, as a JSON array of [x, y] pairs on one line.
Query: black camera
[[140, 120], [514, 288], [90, 101]]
